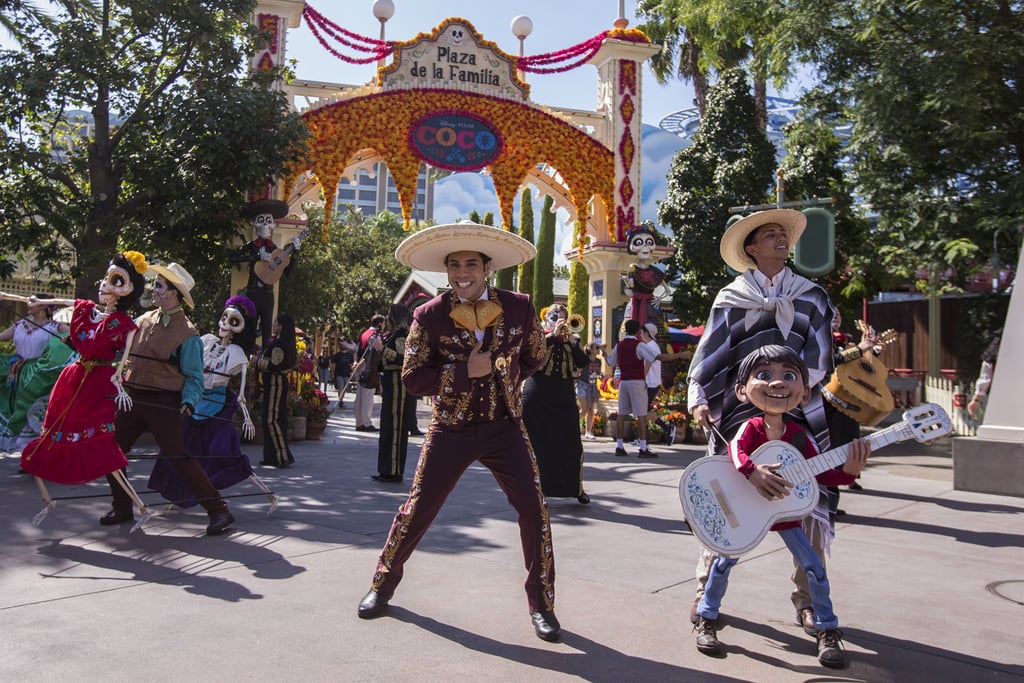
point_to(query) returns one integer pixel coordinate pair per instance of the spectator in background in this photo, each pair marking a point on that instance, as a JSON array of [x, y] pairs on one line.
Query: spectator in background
[[650, 352], [364, 395], [342, 360], [988, 369], [323, 369], [586, 389]]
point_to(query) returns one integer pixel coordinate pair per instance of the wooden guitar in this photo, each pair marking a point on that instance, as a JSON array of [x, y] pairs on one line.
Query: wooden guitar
[[858, 389], [730, 517], [270, 271]]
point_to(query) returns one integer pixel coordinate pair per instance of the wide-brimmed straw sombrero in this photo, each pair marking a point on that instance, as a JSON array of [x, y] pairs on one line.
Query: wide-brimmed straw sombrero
[[731, 247], [426, 249], [176, 274]]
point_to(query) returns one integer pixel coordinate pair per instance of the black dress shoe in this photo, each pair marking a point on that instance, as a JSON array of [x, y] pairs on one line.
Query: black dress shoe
[[373, 605], [387, 477], [583, 498], [546, 626], [114, 517], [219, 522], [415, 432]]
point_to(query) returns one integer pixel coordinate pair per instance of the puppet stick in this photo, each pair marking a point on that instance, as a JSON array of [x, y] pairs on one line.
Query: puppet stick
[[270, 494], [355, 374], [50, 503], [144, 514]]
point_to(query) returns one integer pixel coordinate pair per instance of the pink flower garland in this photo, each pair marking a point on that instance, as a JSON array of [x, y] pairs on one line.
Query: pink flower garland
[[538, 64], [378, 49]]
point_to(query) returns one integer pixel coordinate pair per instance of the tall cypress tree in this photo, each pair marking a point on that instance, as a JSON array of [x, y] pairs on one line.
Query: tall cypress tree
[[544, 271], [526, 232], [504, 277], [579, 283]]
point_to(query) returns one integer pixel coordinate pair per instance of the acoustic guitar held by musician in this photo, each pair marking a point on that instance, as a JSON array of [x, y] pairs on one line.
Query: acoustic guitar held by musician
[[858, 388]]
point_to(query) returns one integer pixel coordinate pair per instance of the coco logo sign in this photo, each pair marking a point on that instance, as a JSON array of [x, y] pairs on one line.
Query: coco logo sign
[[455, 141]]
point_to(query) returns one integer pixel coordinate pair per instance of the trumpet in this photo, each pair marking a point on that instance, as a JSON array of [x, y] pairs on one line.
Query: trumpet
[[576, 323]]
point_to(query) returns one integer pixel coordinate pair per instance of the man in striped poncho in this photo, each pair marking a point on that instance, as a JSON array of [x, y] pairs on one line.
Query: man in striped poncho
[[766, 304]]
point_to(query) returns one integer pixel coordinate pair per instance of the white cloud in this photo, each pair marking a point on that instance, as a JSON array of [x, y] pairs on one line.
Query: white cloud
[[460, 193]]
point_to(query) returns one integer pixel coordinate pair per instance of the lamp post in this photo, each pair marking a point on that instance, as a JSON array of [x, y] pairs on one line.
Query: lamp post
[[522, 26], [383, 10], [622, 22]]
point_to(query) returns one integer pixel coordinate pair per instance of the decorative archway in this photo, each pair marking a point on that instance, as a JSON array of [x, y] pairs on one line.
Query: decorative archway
[[386, 124]]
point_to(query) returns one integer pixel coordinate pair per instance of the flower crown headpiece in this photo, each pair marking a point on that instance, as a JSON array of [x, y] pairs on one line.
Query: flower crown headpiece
[[243, 303], [138, 261]]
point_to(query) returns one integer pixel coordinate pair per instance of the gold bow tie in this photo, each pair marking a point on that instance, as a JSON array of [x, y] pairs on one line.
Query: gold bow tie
[[471, 315]]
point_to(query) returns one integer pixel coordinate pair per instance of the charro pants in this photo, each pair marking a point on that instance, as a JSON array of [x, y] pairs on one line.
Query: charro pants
[[502, 447], [158, 413]]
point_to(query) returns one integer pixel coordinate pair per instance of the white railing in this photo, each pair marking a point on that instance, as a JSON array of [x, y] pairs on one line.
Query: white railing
[[948, 394]]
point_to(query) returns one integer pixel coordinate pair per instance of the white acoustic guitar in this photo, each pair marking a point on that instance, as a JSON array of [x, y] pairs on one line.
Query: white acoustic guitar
[[728, 516]]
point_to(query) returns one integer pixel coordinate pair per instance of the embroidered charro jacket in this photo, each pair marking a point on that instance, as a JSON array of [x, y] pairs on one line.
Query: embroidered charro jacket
[[436, 353]]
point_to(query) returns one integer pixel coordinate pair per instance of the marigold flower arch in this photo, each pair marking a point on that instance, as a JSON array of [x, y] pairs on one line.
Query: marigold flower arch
[[343, 132]]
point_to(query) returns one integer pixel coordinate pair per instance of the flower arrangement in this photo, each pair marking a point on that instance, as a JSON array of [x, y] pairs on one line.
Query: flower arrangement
[[654, 432], [316, 406], [676, 418], [600, 422]]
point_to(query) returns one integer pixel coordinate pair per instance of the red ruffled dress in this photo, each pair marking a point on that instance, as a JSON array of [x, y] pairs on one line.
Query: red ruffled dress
[[76, 444]]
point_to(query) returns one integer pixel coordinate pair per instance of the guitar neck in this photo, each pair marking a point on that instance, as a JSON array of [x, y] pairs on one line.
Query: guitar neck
[[835, 457]]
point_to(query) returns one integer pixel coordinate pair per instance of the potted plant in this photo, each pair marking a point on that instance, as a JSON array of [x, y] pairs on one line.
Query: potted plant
[[600, 422], [316, 413], [628, 428], [680, 421], [654, 432], [297, 412]]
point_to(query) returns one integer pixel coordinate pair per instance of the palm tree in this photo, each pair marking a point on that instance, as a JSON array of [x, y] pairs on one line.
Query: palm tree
[[698, 37]]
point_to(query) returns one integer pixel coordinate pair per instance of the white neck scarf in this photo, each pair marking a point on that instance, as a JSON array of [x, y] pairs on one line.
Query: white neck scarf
[[744, 292]]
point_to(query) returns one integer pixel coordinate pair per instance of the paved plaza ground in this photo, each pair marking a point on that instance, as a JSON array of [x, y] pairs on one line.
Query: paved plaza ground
[[928, 582]]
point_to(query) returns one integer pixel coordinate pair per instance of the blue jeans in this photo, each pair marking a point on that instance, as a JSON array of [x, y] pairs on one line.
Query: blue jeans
[[797, 542]]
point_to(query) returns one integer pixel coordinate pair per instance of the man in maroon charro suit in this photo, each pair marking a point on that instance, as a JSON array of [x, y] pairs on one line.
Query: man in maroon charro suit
[[471, 348]]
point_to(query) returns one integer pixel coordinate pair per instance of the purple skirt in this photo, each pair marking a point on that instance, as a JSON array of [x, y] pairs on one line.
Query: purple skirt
[[215, 445]]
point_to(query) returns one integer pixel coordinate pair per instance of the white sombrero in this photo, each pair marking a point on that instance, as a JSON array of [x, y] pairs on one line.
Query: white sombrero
[[736, 234], [426, 249], [176, 274]]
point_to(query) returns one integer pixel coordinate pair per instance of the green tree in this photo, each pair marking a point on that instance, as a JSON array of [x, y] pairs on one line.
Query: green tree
[[543, 273], [526, 270], [130, 127], [729, 163], [937, 146], [579, 292], [699, 37], [348, 278], [812, 170], [504, 278]]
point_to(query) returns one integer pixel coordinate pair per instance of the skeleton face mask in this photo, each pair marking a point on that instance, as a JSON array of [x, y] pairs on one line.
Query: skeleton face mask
[[232, 322], [115, 284], [642, 245], [264, 225]]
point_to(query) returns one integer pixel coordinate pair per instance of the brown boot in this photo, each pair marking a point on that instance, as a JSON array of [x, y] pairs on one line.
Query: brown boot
[[830, 649], [707, 636]]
